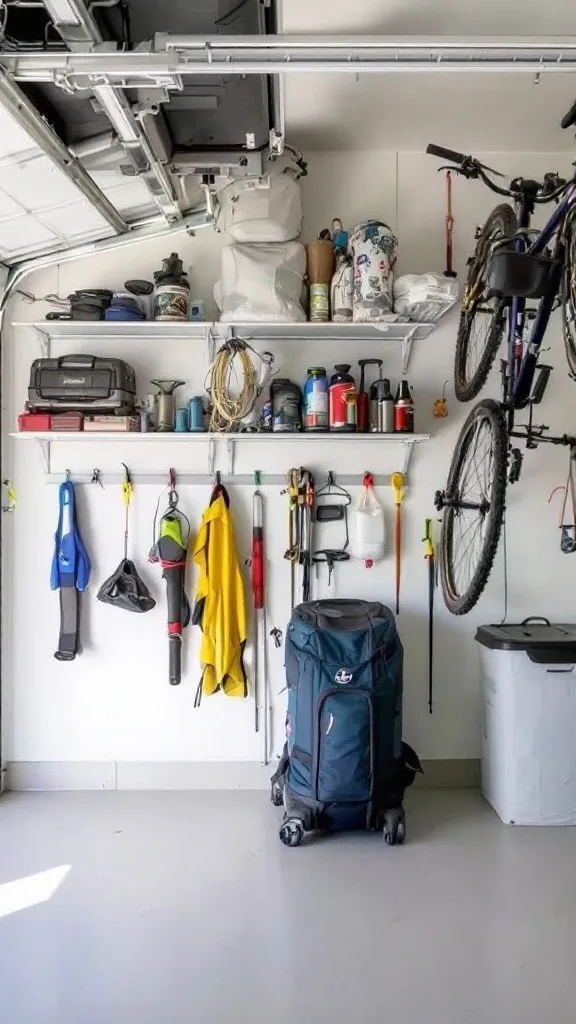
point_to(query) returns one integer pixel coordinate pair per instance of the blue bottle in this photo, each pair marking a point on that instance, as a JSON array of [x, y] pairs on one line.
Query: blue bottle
[[196, 415]]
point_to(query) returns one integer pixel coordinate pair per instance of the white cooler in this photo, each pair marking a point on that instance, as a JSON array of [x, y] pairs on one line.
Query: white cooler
[[529, 728]]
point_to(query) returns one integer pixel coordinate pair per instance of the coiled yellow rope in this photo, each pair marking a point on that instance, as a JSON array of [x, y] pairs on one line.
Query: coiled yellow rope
[[228, 410]]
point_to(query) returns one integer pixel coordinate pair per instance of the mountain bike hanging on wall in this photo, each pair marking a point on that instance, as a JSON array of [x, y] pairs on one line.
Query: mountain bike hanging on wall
[[511, 265]]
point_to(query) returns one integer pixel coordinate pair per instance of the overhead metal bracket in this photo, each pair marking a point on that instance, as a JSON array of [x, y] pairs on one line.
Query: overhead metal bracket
[[25, 114]]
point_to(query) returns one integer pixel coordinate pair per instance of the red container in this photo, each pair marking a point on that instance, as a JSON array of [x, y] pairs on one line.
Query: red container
[[342, 399], [34, 421]]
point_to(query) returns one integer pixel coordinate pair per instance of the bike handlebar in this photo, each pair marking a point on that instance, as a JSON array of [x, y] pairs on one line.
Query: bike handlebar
[[470, 167], [446, 154]]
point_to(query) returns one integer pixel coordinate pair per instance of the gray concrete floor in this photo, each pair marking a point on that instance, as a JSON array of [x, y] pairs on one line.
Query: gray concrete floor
[[184, 908]]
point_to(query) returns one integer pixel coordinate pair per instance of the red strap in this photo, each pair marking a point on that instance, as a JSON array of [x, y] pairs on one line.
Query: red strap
[[368, 480]]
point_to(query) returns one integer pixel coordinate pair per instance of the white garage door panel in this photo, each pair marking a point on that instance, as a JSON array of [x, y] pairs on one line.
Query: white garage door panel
[[22, 233], [74, 220], [37, 184]]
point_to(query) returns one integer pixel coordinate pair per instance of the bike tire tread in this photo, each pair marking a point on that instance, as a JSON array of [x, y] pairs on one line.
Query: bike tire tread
[[465, 389], [463, 604]]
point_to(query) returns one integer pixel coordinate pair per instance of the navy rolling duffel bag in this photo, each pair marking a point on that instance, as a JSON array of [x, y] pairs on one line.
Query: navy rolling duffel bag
[[344, 765]]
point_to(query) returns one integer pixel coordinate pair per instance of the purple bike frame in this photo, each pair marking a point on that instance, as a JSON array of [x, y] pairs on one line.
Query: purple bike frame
[[521, 373]]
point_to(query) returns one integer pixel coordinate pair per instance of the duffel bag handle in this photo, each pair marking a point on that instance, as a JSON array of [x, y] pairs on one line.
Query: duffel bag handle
[[535, 618], [80, 359]]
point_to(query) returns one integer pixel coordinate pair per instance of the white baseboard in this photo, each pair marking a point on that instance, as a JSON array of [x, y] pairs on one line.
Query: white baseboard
[[186, 775]]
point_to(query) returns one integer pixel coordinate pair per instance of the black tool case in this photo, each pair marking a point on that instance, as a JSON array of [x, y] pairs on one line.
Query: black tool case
[[82, 383]]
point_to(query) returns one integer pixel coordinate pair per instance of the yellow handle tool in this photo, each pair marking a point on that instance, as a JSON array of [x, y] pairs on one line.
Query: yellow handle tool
[[397, 482]]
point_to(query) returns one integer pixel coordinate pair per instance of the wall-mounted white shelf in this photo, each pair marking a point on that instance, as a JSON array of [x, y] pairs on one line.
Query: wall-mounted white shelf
[[45, 440], [393, 330]]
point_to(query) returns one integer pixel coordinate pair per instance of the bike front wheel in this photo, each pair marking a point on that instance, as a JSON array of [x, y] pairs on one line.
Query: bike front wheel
[[473, 505], [482, 318]]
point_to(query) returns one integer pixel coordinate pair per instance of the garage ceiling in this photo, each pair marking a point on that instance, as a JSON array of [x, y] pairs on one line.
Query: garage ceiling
[[132, 161]]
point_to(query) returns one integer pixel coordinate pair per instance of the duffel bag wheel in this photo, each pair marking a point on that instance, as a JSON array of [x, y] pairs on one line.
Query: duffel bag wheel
[[395, 826], [292, 832], [277, 794]]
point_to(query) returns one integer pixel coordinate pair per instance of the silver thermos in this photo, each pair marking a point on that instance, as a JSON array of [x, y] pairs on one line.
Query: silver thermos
[[381, 407]]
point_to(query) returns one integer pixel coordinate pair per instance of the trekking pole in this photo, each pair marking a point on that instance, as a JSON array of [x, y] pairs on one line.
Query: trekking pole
[[397, 482], [429, 557]]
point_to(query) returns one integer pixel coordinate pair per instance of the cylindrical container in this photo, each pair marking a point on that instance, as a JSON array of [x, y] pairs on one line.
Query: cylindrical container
[[364, 398], [196, 415], [381, 407], [342, 288], [150, 406], [286, 398], [404, 409], [171, 302], [320, 270], [316, 399], [342, 399], [144, 422], [181, 420], [171, 290], [165, 413], [374, 247]]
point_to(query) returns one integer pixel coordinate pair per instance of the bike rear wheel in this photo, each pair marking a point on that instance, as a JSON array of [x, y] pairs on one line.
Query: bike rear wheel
[[569, 296], [482, 319], [473, 504]]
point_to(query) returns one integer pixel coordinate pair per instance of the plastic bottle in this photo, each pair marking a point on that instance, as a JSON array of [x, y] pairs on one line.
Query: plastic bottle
[[342, 399], [342, 285], [316, 399], [369, 533]]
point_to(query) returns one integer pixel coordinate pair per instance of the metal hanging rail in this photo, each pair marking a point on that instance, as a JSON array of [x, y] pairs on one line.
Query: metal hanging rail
[[175, 56]]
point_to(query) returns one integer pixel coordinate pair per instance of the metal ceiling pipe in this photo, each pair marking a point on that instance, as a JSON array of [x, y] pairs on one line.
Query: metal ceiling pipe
[[138, 69], [428, 44], [25, 114]]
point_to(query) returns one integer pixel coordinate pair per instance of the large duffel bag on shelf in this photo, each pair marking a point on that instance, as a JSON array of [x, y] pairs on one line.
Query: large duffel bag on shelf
[[83, 383], [344, 764]]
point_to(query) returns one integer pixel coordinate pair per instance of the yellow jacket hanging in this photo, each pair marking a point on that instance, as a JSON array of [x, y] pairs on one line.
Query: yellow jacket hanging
[[219, 607]]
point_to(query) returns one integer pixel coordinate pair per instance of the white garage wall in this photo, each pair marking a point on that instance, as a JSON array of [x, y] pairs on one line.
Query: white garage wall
[[113, 705]]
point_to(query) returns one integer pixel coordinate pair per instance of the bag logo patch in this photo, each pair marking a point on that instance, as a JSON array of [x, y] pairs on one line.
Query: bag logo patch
[[342, 676]]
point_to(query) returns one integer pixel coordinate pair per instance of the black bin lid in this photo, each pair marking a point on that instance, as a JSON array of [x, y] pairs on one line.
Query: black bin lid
[[545, 643]]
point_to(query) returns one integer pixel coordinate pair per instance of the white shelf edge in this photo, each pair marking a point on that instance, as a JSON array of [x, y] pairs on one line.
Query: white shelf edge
[[164, 438]]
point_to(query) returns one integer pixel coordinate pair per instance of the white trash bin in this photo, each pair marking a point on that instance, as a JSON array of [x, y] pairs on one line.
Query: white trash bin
[[529, 727]]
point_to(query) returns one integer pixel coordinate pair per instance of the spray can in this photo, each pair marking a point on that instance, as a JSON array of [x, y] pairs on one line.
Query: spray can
[[171, 290], [404, 409], [316, 399], [342, 399]]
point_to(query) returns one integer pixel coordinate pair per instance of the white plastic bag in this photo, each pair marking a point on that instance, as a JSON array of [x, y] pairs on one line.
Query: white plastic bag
[[267, 209], [369, 534], [261, 283], [424, 298]]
